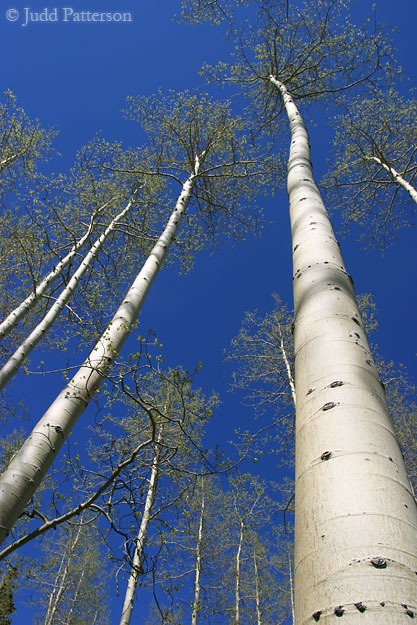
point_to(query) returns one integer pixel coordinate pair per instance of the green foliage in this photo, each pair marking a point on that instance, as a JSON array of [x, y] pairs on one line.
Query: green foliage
[[371, 195], [23, 144], [8, 583], [71, 586], [309, 46], [182, 127]]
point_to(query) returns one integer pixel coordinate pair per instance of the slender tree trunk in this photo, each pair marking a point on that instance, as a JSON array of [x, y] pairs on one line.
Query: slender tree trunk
[[197, 579], [257, 592], [356, 517], [287, 365], [61, 580], [237, 585], [29, 466], [20, 311], [291, 588], [397, 178], [141, 538], [75, 598], [27, 346]]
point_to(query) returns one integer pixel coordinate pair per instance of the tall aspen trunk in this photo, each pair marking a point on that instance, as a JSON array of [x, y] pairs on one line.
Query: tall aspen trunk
[[237, 584], [257, 591], [397, 178], [27, 346], [29, 466], [141, 538], [20, 311], [197, 579], [355, 513]]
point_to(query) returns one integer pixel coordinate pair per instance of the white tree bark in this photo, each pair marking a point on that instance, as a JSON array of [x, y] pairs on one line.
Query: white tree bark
[[356, 517], [20, 311], [141, 537], [197, 578], [397, 178], [29, 466], [237, 583], [287, 365], [26, 347], [61, 579], [257, 591]]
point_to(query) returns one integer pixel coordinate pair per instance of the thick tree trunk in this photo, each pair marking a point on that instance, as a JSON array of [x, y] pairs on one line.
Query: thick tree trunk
[[20, 311], [197, 579], [356, 517], [27, 346], [397, 178], [141, 538], [29, 466]]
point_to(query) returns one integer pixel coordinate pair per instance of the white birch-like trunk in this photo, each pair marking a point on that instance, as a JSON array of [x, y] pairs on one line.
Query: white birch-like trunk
[[29, 466], [397, 178], [60, 584], [20, 311], [197, 579], [237, 584], [141, 538], [257, 591], [355, 514], [26, 347], [287, 366]]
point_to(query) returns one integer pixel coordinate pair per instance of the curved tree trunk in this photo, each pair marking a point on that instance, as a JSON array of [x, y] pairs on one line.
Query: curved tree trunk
[[356, 517], [20, 311], [27, 346], [29, 466]]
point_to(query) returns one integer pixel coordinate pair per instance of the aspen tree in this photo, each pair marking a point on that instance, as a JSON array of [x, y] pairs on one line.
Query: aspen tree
[[138, 554], [30, 464], [209, 135], [356, 517], [374, 165], [178, 414], [26, 347], [70, 589], [23, 144], [15, 315], [342, 425]]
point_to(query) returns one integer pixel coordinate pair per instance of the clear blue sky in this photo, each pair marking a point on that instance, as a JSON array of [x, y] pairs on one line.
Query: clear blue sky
[[76, 76]]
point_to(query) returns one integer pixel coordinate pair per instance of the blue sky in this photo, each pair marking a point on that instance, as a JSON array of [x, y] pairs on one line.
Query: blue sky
[[76, 76]]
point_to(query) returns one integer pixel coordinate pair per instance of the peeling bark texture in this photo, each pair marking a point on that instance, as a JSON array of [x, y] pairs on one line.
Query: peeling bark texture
[[27, 346], [141, 538], [397, 178], [356, 516], [197, 578], [29, 466], [20, 311]]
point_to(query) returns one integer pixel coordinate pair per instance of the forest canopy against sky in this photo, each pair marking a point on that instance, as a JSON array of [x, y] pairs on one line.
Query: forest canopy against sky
[[176, 121]]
